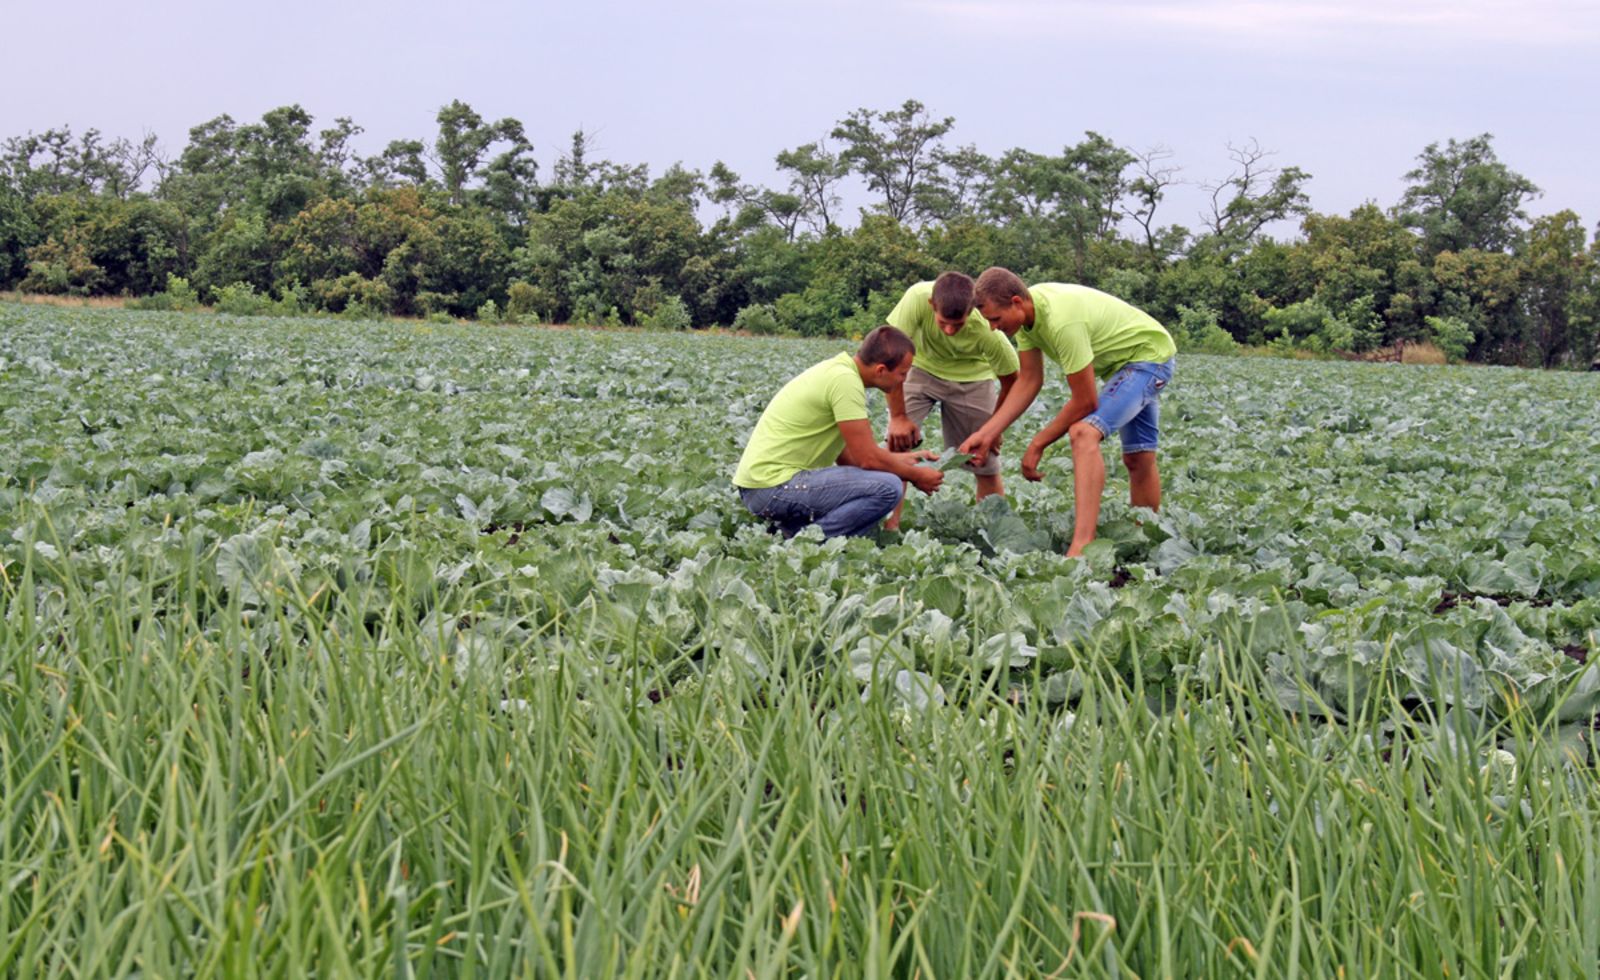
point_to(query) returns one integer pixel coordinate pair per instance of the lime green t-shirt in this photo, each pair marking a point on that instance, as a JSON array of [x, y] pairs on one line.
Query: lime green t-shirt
[[1076, 326], [800, 428], [975, 353]]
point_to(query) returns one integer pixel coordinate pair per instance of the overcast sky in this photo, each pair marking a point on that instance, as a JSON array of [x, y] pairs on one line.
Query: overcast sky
[[1349, 90]]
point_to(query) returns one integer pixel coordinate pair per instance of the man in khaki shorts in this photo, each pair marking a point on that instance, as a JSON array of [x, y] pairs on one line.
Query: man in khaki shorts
[[957, 362]]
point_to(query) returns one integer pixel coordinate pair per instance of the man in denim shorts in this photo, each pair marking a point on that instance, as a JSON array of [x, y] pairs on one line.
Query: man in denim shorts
[[1087, 333]]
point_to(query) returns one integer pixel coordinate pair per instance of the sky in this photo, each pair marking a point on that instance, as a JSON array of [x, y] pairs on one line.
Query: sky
[[1350, 91]]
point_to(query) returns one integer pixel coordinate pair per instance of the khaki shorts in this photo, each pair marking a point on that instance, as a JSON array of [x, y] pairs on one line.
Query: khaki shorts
[[963, 408]]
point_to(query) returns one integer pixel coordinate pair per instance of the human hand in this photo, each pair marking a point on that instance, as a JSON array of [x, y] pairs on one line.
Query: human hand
[[980, 444], [1030, 463], [904, 434], [926, 478]]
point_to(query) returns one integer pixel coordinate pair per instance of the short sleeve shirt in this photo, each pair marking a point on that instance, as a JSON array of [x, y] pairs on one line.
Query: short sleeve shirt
[[1076, 326], [975, 353], [800, 428]]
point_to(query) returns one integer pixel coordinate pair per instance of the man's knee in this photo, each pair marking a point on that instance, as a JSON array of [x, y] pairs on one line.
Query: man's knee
[[886, 486], [1140, 462], [1085, 436]]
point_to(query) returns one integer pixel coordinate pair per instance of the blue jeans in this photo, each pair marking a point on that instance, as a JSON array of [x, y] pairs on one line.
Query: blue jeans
[[843, 500], [1130, 405]]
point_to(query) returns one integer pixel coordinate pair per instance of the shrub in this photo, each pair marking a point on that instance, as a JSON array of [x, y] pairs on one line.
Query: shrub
[[819, 311], [178, 295], [524, 301], [1357, 327], [1452, 334], [430, 302], [669, 314], [1127, 284], [589, 310], [871, 314], [361, 311], [488, 312], [758, 318], [293, 299], [1198, 331], [372, 296], [1303, 324], [241, 299], [62, 268]]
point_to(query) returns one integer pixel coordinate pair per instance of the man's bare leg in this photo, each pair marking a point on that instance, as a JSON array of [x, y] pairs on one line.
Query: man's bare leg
[[1088, 483], [892, 522], [1144, 480], [989, 486]]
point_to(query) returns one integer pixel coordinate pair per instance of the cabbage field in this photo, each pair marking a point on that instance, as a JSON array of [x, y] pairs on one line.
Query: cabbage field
[[396, 649]]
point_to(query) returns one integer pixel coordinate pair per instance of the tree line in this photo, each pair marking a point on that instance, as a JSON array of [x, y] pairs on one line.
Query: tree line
[[279, 216]]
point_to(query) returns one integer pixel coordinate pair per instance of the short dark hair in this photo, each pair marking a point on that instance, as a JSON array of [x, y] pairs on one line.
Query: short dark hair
[[885, 345], [997, 285], [952, 295]]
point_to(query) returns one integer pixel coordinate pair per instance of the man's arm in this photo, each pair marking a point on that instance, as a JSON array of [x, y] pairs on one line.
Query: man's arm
[[1007, 382], [1085, 399], [1015, 398], [903, 433], [860, 449]]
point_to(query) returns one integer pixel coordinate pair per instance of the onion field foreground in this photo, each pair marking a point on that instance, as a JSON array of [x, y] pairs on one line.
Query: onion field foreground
[[345, 649]]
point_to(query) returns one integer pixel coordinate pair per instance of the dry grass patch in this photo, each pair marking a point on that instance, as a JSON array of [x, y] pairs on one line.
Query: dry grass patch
[[1423, 352], [89, 302]]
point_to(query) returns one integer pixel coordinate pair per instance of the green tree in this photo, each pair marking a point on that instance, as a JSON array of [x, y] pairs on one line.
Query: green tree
[[1254, 195], [853, 280], [1558, 293], [400, 164], [1057, 208], [100, 245], [1462, 197], [750, 206], [462, 147], [239, 249], [53, 163], [1366, 257], [1142, 198], [814, 176], [320, 243], [1481, 289], [467, 266], [616, 242], [898, 153], [18, 233], [959, 195]]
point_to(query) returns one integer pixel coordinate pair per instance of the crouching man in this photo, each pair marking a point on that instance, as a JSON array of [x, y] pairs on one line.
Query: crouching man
[[812, 458]]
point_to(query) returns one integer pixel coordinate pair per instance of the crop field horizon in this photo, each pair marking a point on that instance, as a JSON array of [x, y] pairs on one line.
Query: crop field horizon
[[399, 649]]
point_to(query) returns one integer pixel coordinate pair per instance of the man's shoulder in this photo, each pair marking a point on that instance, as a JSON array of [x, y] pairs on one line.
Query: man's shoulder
[[914, 310], [841, 366], [1068, 302], [1061, 292]]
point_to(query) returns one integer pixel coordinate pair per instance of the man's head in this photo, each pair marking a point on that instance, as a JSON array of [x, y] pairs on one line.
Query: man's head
[[885, 357], [951, 302], [1003, 299]]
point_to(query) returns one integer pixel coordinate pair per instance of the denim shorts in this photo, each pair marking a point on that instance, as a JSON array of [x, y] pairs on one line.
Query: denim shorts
[[1130, 405]]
